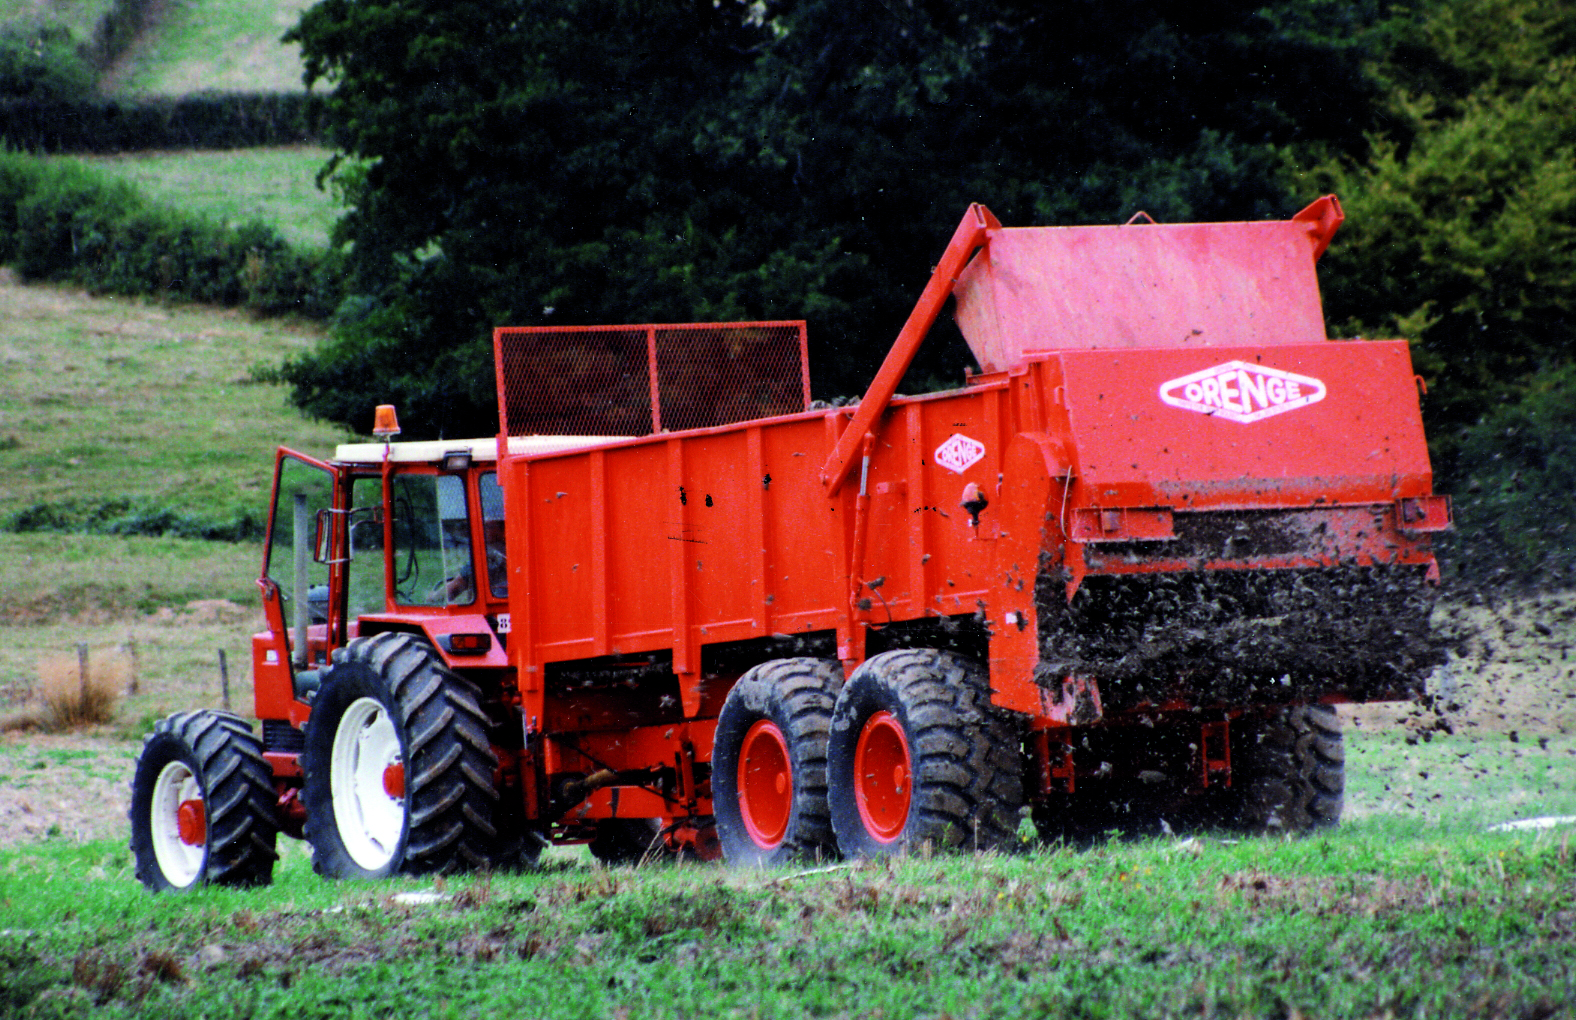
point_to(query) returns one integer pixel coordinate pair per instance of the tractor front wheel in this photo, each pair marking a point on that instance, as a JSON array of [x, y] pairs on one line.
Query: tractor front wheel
[[203, 805], [398, 767], [768, 767], [918, 755]]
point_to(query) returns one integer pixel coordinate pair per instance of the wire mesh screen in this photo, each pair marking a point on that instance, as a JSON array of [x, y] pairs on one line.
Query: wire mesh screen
[[635, 380]]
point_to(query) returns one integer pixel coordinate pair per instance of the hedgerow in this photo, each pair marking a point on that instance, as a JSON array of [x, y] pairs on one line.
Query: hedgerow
[[60, 221]]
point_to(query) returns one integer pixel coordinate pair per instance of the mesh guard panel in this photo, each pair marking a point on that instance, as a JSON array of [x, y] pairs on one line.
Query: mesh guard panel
[[635, 380]]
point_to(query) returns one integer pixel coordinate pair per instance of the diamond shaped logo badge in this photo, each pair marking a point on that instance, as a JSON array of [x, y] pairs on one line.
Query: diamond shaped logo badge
[[1240, 392], [959, 452]]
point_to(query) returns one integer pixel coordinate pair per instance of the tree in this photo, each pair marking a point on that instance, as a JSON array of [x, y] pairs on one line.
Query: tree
[[1461, 227], [1462, 238], [524, 162]]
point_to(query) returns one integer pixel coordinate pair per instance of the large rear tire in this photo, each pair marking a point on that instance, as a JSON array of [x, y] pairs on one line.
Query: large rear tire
[[919, 756], [398, 768], [203, 805], [768, 766], [1288, 772]]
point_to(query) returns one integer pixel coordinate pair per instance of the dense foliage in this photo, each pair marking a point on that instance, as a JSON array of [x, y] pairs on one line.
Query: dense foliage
[[41, 63], [203, 120], [1462, 223], [1462, 237], [525, 161], [62, 221]]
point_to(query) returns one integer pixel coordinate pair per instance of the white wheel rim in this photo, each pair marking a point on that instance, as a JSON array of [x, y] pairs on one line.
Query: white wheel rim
[[180, 862], [369, 818]]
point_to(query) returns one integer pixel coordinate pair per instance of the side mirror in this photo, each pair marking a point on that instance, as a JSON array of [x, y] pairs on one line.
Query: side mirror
[[323, 538]]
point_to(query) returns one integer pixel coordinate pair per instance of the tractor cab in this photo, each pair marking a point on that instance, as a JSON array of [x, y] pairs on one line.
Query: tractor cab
[[396, 536]]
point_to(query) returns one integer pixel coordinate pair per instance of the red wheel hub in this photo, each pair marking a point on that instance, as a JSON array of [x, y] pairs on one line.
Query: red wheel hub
[[394, 780], [883, 775], [765, 784], [191, 822]]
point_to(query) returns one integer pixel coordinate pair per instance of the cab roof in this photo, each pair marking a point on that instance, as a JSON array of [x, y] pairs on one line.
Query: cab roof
[[434, 450]]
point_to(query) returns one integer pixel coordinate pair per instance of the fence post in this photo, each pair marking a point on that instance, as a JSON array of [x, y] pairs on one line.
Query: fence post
[[224, 679], [82, 672], [131, 652]]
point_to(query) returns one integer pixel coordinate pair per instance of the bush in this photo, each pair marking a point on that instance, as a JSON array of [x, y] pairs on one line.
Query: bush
[[41, 64], [64, 222], [121, 516], [208, 120], [1515, 504], [75, 701]]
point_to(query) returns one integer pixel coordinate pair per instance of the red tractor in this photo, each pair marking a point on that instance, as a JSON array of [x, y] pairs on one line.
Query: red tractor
[[1119, 578]]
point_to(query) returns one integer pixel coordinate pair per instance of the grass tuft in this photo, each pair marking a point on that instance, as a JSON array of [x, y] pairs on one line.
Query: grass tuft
[[74, 701]]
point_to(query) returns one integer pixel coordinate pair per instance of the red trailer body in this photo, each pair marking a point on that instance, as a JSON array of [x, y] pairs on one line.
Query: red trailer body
[[1119, 576]]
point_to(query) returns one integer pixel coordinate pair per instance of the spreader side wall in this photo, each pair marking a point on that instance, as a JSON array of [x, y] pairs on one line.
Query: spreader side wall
[[728, 534]]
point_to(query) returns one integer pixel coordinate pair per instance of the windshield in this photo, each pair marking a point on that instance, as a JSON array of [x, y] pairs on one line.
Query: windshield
[[432, 544], [364, 577]]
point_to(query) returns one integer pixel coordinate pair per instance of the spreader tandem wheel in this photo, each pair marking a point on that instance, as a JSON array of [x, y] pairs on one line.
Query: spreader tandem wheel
[[768, 775], [1288, 773], [202, 805], [918, 755], [398, 767]]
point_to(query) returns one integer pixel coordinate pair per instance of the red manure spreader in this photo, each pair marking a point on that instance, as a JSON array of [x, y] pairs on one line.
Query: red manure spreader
[[1120, 578]]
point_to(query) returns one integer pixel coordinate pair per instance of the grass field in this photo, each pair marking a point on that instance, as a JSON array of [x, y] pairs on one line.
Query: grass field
[[1372, 922], [80, 16], [1412, 908], [224, 45], [105, 399], [277, 186]]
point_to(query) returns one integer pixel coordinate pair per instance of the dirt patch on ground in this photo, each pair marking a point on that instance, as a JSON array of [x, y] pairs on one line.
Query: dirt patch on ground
[[72, 786]]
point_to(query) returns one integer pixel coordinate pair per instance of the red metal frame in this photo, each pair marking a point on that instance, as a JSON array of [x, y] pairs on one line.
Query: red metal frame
[[1092, 444]]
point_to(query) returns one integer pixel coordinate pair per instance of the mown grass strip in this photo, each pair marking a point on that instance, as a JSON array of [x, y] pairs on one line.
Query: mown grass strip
[[275, 185], [1350, 924], [218, 44]]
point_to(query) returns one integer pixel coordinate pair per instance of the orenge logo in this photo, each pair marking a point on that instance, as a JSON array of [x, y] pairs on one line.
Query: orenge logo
[[1240, 392]]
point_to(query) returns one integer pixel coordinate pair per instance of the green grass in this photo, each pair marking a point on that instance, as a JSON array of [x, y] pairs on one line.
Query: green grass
[[225, 45], [1356, 924], [277, 186], [1411, 909], [49, 575], [107, 399], [80, 16]]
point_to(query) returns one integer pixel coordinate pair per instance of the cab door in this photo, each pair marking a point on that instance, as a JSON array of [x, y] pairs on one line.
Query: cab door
[[302, 567]]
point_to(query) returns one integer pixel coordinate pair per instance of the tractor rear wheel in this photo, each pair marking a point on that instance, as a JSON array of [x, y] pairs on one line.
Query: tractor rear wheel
[[1288, 772], [203, 805], [768, 766], [398, 767], [918, 755]]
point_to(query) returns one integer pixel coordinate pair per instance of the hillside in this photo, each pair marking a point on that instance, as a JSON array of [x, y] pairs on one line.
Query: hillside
[[105, 399], [189, 45], [275, 185], [225, 45]]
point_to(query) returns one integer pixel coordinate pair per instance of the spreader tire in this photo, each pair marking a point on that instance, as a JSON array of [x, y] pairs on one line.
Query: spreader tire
[[203, 805], [1288, 772], [628, 841], [398, 767], [919, 756], [768, 766]]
